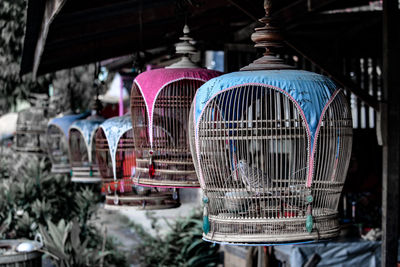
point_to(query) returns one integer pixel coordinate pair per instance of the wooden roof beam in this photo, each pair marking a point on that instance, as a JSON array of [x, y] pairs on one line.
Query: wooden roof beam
[[34, 21], [122, 41], [61, 23], [52, 8]]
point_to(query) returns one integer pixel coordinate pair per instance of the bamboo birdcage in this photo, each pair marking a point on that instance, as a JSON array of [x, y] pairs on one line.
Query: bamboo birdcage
[[82, 150], [31, 128], [160, 104], [57, 141], [117, 164], [271, 147]]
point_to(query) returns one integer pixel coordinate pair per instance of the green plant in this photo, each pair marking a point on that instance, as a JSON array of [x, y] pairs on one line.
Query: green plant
[[181, 246], [72, 84], [64, 244], [33, 196], [32, 191], [4, 155], [12, 28]]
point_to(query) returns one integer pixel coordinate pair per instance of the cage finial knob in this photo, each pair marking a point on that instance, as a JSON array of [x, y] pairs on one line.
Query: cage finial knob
[[186, 29], [267, 7], [184, 48], [268, 37]]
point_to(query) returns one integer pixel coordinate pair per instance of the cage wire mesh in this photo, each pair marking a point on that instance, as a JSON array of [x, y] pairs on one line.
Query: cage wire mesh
[[117, 164], [265, 175], [160, 122], [82, 150], [57, 142], [30, 136], [172, 160]]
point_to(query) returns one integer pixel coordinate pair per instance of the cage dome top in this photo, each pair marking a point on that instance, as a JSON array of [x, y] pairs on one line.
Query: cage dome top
[[150, 84], [87, 128], [63, 123], [33, 119], [114, 129], [310, 92]]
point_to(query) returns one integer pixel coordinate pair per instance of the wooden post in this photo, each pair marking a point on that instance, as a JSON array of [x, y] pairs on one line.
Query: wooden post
[[390, 132]]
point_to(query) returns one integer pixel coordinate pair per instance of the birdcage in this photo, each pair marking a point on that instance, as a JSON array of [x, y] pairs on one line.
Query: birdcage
[[160, 105], [271, 147], [117, 164], [31, 128], [57, 141], [82, 150]]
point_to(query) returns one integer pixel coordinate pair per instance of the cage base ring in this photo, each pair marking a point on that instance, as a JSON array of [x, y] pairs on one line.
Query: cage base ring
[[279, 230], [165, 183], [86, 180], [140, 207]]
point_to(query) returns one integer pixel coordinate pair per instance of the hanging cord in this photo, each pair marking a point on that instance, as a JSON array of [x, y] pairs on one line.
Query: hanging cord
[[186, 15], [136, 59], [140, 25], [71, 93], [97, 84]]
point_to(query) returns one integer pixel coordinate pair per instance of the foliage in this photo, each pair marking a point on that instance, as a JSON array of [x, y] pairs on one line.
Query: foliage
[[63, 242], [4, 151], [74, 88], [29, 194], [33, 195], [12, 27], [33, 198], [75, 84], [181, 246]]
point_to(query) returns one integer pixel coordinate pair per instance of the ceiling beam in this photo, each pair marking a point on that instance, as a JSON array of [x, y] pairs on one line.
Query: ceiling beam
[[126, 40], [71, 23], [33, 25], [390, 129], [52, 8]]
